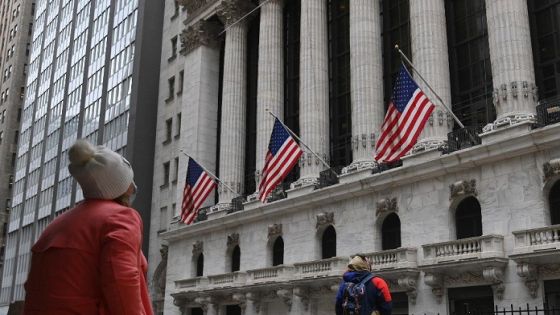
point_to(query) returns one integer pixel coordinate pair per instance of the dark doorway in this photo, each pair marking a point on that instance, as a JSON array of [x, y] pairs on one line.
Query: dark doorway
[[197, 311], [278, 252], [400, 303], [328, 243], [554, 201], [235, 259], [552, 294], [233, 310], [468, 218], [471, 300], [391, 232], [200, 265]]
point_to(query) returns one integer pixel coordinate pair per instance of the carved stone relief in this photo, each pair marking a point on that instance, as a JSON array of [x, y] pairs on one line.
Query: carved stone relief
[[197, 248], [386, 205], [201, 33], [551, 169], [232, 240], [324, 219], [274, 230], [462, 188]]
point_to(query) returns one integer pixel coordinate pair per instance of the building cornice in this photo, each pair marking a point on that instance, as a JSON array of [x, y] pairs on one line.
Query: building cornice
[[533, 141]]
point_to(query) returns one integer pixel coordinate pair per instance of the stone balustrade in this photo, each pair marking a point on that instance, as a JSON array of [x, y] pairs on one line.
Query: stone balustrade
[[227, 279], [393, 259], [277, 273], [322, 268], [528, 241], [473, 248], [197, 282]]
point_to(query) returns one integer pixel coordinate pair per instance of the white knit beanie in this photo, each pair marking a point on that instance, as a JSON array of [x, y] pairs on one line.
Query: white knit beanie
[[102, 173]]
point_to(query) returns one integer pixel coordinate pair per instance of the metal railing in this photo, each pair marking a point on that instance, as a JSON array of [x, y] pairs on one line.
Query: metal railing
[[463, 138], [329, 177], [548, 111]]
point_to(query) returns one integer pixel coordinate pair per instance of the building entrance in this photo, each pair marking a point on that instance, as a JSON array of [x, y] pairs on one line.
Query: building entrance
[[471, 301]]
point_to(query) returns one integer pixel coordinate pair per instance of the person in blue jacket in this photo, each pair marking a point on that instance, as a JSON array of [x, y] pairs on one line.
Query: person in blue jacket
[[377, 297]]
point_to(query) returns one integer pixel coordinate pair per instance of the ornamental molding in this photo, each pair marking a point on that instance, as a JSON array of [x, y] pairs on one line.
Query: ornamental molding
[[255, 299], [286, 296], [462, 188], [357, 166], [233, 240], [428, 145], [240, 299], [386, 205], [231, 11], [194, 5], [274, 230], [551, 169], [408, 283], [303, 295], [324, 219], [495, 275], [201, 33], [549, 270], [436, 282], [514, 90], [510, 120], [464, 277], [529, 272], [197, 248]]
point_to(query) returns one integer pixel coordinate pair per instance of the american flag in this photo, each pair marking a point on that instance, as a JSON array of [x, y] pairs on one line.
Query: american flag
[[197, 188], [283, 153], [408, 112]]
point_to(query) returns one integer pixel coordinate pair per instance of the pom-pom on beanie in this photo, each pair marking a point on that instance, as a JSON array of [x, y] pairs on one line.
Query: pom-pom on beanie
[[102, 173]]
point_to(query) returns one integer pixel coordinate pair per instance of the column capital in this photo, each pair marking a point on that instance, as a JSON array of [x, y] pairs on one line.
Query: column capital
[[201, 33], [193, 5], [230, 11]]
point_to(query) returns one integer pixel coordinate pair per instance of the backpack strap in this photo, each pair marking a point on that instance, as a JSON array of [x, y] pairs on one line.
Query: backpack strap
[[367, 278]]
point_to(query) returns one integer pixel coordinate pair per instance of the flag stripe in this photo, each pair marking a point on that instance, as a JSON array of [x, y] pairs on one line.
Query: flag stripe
[[283, 154], [408, 113], [198, 186]]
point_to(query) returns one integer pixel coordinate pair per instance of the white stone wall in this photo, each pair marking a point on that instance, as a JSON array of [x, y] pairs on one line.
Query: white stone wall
[[510, 191]]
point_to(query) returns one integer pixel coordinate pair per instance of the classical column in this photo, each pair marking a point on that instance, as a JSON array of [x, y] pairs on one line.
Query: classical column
[[270, 86], [314, 89], [200, 98], [366, 73], [511, 56], [234, 98], [430, 56]]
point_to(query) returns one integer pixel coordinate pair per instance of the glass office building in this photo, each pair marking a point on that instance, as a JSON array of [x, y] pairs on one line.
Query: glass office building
[[92, 74]]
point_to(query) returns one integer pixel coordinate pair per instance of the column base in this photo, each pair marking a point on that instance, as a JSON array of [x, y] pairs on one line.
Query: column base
[[356, 171], [506, 129], [421, 156], [219, 210], [429, 145], [303, 186]]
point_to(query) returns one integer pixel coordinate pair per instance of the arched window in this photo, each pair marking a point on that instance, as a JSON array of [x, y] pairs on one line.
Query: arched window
[[391, 232], [200, 265], [278, 252], [468, 218], [328, 243], [554, 201], [235, 258]]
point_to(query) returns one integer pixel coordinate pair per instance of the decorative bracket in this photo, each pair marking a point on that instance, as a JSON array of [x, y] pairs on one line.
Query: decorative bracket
[[462, 188], [286, 296], [254, 298], [386, 205], [274, 230], [409, 284], [529, 272], [324, 219], [496, 276], [436, 282], [240, 299], [197, 248], [303, 295], [232, 240], [551, 169]]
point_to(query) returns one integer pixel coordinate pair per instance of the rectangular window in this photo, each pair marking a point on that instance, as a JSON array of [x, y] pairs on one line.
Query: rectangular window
[[178, 126], [176, 169], [165, 174], [168, 128], [181, 80], [171, 82], [173, 48], [162, 219]]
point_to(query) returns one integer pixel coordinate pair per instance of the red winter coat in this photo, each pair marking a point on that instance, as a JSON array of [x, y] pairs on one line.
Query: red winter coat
[[89, 261]]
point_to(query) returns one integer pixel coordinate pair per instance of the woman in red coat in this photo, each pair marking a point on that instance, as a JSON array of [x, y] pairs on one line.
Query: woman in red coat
[[89, 260]]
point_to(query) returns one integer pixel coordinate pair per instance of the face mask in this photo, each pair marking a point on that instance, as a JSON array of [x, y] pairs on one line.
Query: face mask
[[133, 195]]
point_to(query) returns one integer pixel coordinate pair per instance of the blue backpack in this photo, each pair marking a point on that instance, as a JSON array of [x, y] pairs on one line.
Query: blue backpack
[[353, 294]]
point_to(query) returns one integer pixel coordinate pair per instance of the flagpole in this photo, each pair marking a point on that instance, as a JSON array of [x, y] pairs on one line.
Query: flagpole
[[303, 143], [429, 87], [213, 176]]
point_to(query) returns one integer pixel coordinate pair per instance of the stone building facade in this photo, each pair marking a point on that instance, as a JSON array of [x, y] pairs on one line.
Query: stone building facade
[[15, 41], [467, 222]]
